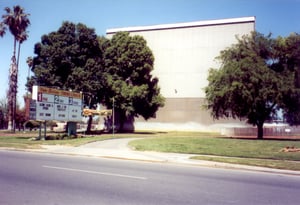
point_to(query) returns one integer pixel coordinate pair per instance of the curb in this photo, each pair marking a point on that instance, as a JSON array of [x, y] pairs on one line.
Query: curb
[[164, 159]]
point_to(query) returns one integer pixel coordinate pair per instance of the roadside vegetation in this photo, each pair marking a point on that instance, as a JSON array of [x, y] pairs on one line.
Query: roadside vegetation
[[27, 140], [245, 148], [257, 77], [265, 153], [205, 146]]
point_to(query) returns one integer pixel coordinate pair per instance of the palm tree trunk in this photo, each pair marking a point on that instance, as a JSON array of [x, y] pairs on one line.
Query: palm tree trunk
[[12, 95], [18, 58], [12, 91]]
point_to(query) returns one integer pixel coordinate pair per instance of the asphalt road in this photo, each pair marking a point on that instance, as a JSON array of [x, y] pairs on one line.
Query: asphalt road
[[36, 178]]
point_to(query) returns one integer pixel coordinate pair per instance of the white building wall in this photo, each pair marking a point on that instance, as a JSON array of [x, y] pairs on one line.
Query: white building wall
[[183, 54]]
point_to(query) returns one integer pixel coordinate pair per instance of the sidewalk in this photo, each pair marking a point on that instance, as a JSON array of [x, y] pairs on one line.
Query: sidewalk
[[118, 149]]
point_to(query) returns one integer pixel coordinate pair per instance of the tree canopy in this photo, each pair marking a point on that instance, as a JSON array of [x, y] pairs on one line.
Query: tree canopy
[[17, 22], [128, 65], [290, 59], [118, 70], [69, 58], [252, 82]]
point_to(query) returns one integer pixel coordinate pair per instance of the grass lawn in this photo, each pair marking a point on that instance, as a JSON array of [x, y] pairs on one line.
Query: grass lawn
[[205, 146], [261, 149], [265, 153], [277, 164], [25, 142], [20, 140]]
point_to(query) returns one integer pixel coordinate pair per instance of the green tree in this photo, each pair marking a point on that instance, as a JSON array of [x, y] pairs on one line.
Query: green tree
[[70, 58], [29, 62], [129, 82], [17, 22], [249, 84], [289, 51], [3, 113]]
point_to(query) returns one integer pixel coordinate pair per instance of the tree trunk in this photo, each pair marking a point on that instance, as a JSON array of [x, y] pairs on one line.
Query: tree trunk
[[12, 94], [12, 91], [89, 125], [122, 120], [18, 56], [260, 131], [121, 125], [9, 102]]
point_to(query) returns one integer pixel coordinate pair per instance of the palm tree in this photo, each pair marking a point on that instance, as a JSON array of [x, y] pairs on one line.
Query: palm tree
[[17, 22], [29, 62], [23, 37], [2, 29]]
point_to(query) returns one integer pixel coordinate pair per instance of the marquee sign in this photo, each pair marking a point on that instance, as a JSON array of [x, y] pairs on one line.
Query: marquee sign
[[54, 104]]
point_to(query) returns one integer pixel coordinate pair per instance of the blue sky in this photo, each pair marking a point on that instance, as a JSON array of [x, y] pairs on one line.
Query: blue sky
[[280, 17]]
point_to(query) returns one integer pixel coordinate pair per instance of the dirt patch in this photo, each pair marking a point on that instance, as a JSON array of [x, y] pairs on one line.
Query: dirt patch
[[17, 134], [290, 149]]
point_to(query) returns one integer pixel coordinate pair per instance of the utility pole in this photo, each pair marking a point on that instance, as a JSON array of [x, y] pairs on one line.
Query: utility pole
[[113, 117]]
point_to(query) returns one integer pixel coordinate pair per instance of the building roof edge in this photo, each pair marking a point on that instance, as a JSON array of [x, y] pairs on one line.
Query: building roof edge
[[183, 25]]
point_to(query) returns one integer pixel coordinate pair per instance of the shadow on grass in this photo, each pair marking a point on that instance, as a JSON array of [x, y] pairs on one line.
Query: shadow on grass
[[23, 138], [100, 132], [148, 133]]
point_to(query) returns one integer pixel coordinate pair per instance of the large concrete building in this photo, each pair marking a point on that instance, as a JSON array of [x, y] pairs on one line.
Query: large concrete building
[[184, 52]]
